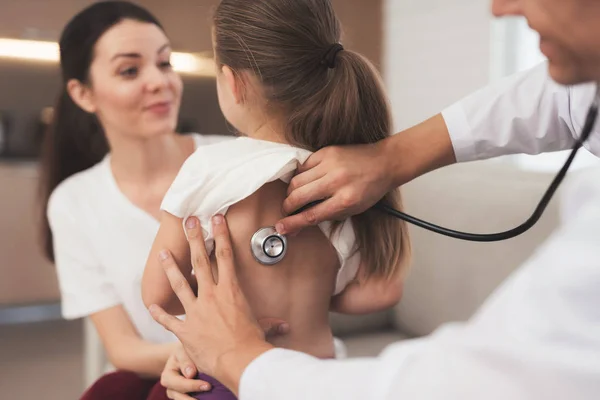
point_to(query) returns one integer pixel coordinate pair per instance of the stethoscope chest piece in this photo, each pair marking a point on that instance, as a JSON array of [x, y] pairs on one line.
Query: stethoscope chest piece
[[268, 247]]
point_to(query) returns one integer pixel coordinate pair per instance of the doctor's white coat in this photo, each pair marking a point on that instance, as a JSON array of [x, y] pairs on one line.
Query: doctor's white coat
[[538, 335]]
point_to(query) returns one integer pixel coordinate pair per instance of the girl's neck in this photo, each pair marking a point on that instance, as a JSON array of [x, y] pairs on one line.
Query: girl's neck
[[271, 131]]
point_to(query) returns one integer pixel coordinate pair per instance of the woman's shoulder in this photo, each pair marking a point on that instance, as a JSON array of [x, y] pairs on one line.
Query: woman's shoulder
[[78, 188]]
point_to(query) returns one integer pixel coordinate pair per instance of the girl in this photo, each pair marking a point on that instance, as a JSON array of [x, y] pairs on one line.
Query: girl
[[288, 86]]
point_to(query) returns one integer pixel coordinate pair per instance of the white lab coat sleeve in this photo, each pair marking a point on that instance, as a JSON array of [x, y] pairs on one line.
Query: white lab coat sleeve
[[451, 365], [306, 377], [536, 337], [524, 113]]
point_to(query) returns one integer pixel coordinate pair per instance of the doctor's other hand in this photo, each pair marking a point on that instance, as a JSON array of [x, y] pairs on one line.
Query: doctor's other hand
[[220, 333], [178, 376], [351, 179]]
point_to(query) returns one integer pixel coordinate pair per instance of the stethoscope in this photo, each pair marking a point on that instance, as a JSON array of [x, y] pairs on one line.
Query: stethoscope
[[269, 247]]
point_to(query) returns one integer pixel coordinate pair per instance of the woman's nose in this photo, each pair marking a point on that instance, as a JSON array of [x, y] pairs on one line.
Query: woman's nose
[[157, 79]]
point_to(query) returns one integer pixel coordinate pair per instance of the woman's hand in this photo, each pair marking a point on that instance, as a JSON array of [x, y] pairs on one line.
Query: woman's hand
[[220, 333], [179, 374]]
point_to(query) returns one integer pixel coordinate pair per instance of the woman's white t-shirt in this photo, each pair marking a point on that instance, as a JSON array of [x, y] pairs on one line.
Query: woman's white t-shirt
[[101, 244]]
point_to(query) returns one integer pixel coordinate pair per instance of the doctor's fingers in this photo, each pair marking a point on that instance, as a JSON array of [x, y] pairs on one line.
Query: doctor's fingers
[[306, 177], [178, 283], [332, 209], [224, 252], [314, 160], [165, 319], [319, 189], [200, 260]]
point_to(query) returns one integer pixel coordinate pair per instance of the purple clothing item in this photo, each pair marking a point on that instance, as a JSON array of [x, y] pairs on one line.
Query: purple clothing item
[[218, 391]]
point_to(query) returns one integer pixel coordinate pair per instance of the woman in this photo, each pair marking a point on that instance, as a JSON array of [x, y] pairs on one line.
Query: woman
[[287, 85], [110, 156]]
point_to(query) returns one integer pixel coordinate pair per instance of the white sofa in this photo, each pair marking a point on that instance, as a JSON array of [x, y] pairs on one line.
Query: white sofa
[[449, 278]]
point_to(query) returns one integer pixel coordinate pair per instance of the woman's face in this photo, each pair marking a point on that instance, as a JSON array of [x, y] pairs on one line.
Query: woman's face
[[133, 89]]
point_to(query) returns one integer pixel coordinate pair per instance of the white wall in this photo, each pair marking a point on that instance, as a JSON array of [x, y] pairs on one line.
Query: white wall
[[436, 51]]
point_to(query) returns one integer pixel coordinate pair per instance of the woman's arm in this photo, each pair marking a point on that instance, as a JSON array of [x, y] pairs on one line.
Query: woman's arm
[[155, 286], [125, 349], [368, 295]]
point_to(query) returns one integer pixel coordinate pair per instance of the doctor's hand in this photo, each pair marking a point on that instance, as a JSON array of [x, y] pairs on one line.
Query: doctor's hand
[[351, 179], [220, 333]]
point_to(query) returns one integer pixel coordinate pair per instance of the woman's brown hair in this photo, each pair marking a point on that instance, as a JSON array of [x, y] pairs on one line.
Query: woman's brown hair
[[326, 95]]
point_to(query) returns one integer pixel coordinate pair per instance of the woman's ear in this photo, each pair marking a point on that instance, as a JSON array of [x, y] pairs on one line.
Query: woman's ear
[[234, 83], [81, 95]]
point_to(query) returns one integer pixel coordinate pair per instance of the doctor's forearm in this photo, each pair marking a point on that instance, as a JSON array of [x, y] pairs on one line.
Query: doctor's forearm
[[419, 150]]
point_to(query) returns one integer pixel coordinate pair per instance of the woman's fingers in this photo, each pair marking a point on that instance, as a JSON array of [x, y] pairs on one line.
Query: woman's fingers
[[172, 379], [179, 384], [185, 363], [173, 395]]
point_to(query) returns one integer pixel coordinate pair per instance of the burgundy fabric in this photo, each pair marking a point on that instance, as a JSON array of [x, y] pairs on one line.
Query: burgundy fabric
[[122, 385], [158, 392]]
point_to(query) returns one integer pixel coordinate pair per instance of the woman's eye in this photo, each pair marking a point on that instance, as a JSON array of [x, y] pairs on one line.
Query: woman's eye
[[129, 72], [166, 64]]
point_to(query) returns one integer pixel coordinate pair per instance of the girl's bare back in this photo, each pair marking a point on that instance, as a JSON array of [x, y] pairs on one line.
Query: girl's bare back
[[299, 288]]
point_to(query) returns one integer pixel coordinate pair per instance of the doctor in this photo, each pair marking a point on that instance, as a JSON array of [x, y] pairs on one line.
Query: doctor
[[537, 337]]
